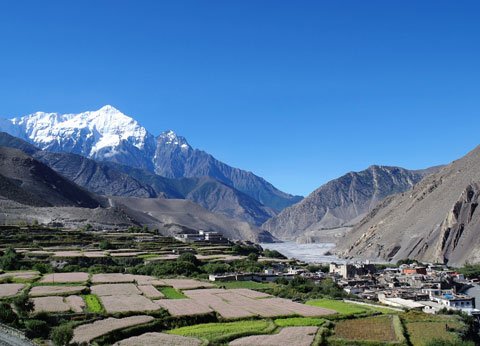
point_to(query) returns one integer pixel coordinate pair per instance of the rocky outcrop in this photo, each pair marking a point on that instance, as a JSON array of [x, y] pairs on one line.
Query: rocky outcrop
[[437, 221]]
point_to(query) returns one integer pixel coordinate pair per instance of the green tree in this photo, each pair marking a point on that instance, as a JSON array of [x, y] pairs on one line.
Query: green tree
[[245, 249], [43, 268], [188, 257], [470, 270], [105, 245], [10, 260], [62, 335], [273, 254], [217, 268]]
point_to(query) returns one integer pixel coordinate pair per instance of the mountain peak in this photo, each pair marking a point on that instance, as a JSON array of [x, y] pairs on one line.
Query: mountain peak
[[96, 134], [171, 138], [109, 108]]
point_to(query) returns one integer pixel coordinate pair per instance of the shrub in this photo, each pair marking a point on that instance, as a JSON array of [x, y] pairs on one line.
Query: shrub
[[10, 260], [7, 315], [62, 335], [43, 268], [217, 268], [22, 304], [36, 328], [245, 250], [105, 245], [188, 257], [273, 254]]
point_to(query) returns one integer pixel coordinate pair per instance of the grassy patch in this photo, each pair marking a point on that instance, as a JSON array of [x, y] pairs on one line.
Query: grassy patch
[[93, 303], [423, 328], [245, 284], [172, 293], [23, 280], [226, 331], [149, 255], [339, 306], [299, 322], [377, 329], [38, 283]]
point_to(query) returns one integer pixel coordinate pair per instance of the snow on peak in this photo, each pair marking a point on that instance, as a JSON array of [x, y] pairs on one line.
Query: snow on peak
[[85, 133], [109, 108], [103, 134], [171, 138]]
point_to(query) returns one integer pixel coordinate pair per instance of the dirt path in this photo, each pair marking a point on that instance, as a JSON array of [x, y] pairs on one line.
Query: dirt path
[[8, 338]]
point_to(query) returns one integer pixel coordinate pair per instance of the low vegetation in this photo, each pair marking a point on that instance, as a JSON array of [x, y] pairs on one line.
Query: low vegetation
[[423, 328], [246, 284], [377, 328], [339, 306], [172, 293], [93, 304], [299, 322], [471, 271], [226, 331]]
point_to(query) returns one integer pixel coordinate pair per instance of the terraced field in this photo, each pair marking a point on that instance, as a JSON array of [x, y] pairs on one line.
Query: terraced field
[[378, 328], [298, 336], [299, 322], [225, 331], [422, 328]]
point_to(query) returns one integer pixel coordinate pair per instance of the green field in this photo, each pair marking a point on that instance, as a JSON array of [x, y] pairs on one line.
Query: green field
[[377, 329], [339, 306], [348, 308], [93, 303], [423, 328], [245, 284], [299, 322], [172, 293], [226, 331]]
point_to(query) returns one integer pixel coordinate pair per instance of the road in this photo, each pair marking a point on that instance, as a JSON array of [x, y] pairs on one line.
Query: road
[[7, 339]]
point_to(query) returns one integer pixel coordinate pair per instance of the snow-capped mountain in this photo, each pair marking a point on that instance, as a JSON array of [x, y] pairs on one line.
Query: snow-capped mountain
[[105, 135], [109, 135]]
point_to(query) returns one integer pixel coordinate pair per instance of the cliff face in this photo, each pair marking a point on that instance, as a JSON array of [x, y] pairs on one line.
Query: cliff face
[[437, 221]]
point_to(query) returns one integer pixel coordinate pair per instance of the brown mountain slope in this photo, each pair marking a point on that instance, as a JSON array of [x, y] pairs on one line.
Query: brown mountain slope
[[342, 202], [28, 181], [438, 220], [171, 215]]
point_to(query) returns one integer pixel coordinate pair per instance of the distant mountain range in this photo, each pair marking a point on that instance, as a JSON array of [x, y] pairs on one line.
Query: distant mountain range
[[342, 202], [103, 168], [108, 135], [437, 221], [30, 191], [112, 179]]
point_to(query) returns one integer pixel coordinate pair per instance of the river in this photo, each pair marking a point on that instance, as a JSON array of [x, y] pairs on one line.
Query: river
[[310, 253]]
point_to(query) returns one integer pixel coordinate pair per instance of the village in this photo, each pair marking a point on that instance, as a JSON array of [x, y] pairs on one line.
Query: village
[[428, 288], [101, 287]]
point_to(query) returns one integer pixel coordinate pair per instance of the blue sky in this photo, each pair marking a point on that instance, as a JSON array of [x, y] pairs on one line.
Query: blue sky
[[298, 92]]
